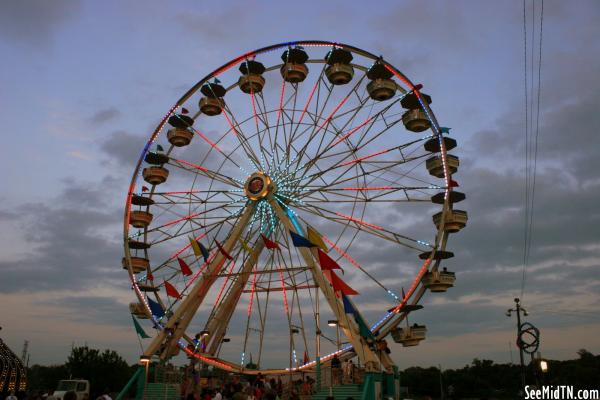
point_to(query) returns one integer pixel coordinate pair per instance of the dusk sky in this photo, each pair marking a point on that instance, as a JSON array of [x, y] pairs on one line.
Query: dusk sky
[[83, 85]]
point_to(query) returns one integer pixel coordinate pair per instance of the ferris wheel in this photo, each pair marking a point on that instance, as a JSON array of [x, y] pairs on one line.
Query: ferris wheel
[[281, 212]]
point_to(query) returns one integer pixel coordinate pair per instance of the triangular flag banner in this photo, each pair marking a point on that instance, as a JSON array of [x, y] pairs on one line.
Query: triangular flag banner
[[363, 329], [184, 110], [223, 251], [204, 251], [138, 328], [301, 241], [327, 263], [159, 148], [348, 307], [444, 129], [245, 245], [315, 238], [339, 285], [185, 269], [171, 290], [453, 183], [269, 244], [155, 308], [145, 188], [195, 246]]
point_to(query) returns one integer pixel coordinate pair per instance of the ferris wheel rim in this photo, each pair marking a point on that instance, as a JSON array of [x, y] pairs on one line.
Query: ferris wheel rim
[[222, 69]]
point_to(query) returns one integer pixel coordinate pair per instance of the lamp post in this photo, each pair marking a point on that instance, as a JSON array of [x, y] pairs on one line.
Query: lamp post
[[518, 309], [145, 361], [332, 323], [293, 330]]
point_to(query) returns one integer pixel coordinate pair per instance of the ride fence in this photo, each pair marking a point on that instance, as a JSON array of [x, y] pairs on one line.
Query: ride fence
[[305, 383]]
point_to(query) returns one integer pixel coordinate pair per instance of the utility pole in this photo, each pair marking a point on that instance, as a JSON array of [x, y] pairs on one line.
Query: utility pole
[[441, 384], [518, 309], [24, 352]]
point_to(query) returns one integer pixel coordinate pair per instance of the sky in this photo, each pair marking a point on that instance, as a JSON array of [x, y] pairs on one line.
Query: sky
[[83, 84]]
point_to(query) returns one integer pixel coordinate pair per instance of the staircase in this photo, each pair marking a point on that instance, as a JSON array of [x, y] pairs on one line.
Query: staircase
[[161, 391], [340, 392]]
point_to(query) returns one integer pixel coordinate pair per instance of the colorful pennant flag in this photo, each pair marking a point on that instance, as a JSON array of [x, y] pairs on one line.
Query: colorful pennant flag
[[269, 244], [149, 276], [444, 129], [204, 251], [155, 308], [199, 249], [159, 148], [300, 241], [363, 329], [184, 110], [195, 246], [327, 263], [453, 183], [185, 269], [145, 188], [339, 285], [315, 238], [138, 328], [223, 251], [172, 291], [348, 307]]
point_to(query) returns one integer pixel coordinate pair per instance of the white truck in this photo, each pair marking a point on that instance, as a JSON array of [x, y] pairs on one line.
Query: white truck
[[80, 386]]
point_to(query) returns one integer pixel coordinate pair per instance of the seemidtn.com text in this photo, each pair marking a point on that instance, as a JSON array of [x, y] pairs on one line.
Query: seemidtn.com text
[[560, 392]]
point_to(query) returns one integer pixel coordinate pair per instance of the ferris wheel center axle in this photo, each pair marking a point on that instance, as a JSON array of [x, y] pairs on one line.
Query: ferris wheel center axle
[[259, 185]]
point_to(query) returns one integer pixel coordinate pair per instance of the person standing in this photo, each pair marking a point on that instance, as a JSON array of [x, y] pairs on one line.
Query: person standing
[[350, 371], [335, 370]]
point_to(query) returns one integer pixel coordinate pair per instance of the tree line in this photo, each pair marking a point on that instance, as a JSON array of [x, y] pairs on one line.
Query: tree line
[[486, 379]]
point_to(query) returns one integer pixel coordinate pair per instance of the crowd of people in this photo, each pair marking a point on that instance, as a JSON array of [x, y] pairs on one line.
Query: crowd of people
[[234, 389], [261, 387]]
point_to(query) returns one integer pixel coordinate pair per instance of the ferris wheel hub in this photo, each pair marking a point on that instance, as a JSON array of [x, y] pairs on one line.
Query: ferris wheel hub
[[259, 185]]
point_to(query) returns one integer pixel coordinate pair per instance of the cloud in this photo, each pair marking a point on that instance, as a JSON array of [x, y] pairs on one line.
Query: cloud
[[35, 22], [105, 115], [123, 147], [73, 242]]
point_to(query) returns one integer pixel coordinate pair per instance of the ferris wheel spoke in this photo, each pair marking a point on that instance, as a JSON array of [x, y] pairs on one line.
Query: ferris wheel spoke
[[315, 89], [372, 229], [209, 229], [365, 194], [179, 232], [352, 152], [318, 126], [243, 139], [344, 176], [192, 217], [267, 132], [331, 119], [318, 115], [200, 170], [216, 147]]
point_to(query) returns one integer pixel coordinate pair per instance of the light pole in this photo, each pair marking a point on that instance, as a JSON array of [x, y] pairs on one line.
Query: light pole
[[518, 310], [333, 322], [293, 330], [441, 383]]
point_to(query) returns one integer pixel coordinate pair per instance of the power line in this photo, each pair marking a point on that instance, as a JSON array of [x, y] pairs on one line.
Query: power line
[[526, 87], [531, 142]]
